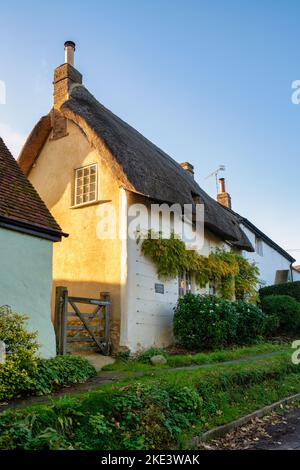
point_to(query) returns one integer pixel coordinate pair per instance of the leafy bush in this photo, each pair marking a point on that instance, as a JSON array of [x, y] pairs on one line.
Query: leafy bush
[[285, 309], [137, 416], [60, 371], [18, 372], [23, 372], [290, 288], [204, 322], [250, 323]]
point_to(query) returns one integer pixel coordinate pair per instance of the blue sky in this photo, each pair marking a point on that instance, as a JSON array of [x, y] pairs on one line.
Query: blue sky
[[207, 81]]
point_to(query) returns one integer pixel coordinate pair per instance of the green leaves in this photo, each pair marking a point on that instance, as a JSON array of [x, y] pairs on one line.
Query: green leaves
[[207, 322], [283, 313], [18, 371], [23, 373]]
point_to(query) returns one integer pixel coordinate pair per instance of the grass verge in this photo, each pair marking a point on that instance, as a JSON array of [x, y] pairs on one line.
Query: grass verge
[[156, 412], [182, 360]]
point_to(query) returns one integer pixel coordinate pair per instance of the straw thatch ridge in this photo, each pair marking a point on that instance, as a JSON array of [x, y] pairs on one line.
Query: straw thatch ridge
[[34, 143]]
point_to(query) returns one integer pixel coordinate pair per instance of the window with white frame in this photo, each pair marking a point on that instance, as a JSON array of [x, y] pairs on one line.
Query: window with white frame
[[259, 246], [85, 185]]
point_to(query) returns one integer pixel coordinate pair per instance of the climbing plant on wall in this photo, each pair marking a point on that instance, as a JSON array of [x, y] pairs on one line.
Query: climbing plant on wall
[[232, 274]]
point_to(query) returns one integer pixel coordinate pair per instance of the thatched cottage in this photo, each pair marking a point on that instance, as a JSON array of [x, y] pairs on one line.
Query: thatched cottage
[[82, 158], [27, 234]]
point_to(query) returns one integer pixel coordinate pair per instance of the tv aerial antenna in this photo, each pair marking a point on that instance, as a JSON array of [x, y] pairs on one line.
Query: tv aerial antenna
[[216, 174]]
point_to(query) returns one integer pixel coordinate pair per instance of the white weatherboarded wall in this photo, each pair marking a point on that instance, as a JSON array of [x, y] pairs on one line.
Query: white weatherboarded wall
[[147, 315], [25, 282], [270, 262]]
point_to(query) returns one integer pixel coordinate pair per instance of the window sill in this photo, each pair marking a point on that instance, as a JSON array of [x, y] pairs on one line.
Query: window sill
[[91, 203]]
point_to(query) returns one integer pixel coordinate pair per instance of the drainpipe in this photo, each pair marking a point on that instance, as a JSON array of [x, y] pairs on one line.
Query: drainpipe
[[292, 275]]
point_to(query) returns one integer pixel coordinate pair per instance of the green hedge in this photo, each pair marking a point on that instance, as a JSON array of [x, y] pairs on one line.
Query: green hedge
[[203, 322], [290, 288], [283, 314], [153, 414]]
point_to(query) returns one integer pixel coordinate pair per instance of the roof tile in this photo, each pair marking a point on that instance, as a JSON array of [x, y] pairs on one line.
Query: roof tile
[[19, 201]]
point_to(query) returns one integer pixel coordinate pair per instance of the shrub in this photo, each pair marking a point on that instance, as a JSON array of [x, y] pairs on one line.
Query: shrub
[[285, 309], [250, 323], [18, 372], [23, 373], [290, 288], [204, 322], [60, 371], [137, 416]]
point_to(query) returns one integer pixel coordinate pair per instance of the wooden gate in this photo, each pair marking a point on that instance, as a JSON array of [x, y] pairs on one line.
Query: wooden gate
[[78, 330]]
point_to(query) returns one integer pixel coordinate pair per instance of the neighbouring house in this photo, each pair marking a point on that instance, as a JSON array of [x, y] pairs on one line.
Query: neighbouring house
[[27, 233], [296, 273], [83, 160], [275, 264]]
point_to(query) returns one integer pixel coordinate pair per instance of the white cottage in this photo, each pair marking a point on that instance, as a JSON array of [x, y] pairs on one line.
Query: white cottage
[[27, 233], [275, 264]]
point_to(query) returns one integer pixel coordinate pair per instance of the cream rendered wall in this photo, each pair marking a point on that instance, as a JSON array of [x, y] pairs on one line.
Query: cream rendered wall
[[149, 314], [269, 263], [83, 262], [25, 283]]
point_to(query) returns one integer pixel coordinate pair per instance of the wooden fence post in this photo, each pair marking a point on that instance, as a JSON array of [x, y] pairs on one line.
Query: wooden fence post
[[106, 296], [60, 319]]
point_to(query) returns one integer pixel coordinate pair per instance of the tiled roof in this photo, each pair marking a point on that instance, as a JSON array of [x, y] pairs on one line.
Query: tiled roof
[[19, 201]]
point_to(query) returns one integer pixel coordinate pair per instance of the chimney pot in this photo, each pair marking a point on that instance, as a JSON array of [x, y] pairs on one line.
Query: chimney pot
[[222, 185], [69, 52], [65, 76], [224, 197], [188, 168]]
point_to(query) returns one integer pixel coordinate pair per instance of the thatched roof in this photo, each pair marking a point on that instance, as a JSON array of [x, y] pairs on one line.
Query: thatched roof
[[20, 205], [139, 165]]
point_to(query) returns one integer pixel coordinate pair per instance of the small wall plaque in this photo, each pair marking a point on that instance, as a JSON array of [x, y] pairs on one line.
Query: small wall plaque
[[159, 289]]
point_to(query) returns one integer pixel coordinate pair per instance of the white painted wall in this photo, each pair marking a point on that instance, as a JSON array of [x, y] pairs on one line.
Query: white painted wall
[[147, 316], [25, 282], [269, 263]]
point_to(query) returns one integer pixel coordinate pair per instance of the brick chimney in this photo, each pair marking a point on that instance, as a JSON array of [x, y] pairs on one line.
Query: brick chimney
[[188, 168], [224, 197], [65, 76]]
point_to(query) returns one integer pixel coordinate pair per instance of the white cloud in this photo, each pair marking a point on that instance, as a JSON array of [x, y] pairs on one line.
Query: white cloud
[[14, 140]]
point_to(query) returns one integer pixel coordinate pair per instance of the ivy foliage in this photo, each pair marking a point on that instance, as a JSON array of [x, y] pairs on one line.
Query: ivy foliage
[[230, 272]]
